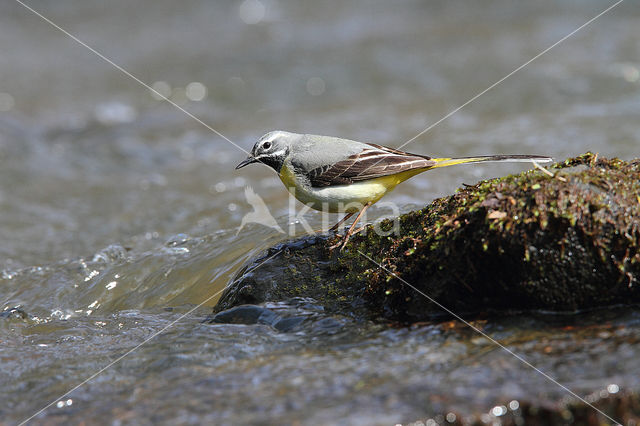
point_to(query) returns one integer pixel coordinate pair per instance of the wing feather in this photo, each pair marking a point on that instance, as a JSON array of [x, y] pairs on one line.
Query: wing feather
[[370, 163]]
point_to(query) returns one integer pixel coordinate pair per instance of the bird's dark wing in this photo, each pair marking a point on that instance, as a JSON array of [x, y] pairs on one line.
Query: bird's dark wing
[[372, 162]]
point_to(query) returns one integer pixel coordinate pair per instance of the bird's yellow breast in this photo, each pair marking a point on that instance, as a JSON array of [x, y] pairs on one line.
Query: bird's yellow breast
[[287, 176]]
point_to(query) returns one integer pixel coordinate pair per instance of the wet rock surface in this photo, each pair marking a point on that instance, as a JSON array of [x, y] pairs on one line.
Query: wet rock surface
[[562, 241], [298, 268]]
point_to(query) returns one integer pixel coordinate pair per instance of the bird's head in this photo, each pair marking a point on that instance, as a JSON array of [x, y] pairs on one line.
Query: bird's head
[[271, 149]]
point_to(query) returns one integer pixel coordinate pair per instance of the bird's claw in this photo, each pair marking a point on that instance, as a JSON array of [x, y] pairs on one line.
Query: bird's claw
[[341, 243]]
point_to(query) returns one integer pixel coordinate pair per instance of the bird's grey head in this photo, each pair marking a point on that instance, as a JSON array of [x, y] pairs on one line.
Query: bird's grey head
[[271, 149]]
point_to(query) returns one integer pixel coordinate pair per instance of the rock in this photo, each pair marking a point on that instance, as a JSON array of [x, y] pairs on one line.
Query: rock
[[294, 315], [561, 241], [14, 313], [299, 268]]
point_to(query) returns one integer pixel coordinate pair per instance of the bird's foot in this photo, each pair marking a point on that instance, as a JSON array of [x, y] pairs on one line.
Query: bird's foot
[[341, 243], [343, 240]]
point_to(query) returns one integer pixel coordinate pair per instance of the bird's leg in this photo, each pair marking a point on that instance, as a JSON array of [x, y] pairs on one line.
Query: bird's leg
[[346, 237], [343, 220]]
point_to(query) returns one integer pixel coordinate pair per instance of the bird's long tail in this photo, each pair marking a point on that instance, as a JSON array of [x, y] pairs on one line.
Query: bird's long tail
[[445, 162]]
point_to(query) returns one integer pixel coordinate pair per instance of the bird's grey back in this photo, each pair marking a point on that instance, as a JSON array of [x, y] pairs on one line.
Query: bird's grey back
[[309, 152]]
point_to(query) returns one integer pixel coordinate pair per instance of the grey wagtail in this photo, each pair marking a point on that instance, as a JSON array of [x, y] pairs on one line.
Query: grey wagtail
[[340, 175]]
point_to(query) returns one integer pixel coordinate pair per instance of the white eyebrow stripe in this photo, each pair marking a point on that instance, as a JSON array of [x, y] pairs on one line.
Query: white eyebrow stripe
[[274, 154]]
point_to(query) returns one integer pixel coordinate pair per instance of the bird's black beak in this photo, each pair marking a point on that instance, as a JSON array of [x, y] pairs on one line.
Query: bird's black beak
[[246, 162]]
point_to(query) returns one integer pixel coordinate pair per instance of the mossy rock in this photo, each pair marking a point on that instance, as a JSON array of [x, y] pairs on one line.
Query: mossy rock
[[295, 269], [560, 241]]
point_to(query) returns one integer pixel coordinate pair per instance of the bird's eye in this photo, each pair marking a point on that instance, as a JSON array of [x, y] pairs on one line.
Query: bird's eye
[[266, 145]]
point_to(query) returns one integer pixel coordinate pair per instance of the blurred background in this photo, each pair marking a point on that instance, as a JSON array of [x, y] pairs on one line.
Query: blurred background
[[90, 158], [115, 203]]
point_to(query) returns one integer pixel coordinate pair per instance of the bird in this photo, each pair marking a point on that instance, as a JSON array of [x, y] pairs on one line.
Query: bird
[[338, 175]]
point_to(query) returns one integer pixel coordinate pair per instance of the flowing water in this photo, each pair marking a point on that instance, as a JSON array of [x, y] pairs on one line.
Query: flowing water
[[119, 213]]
